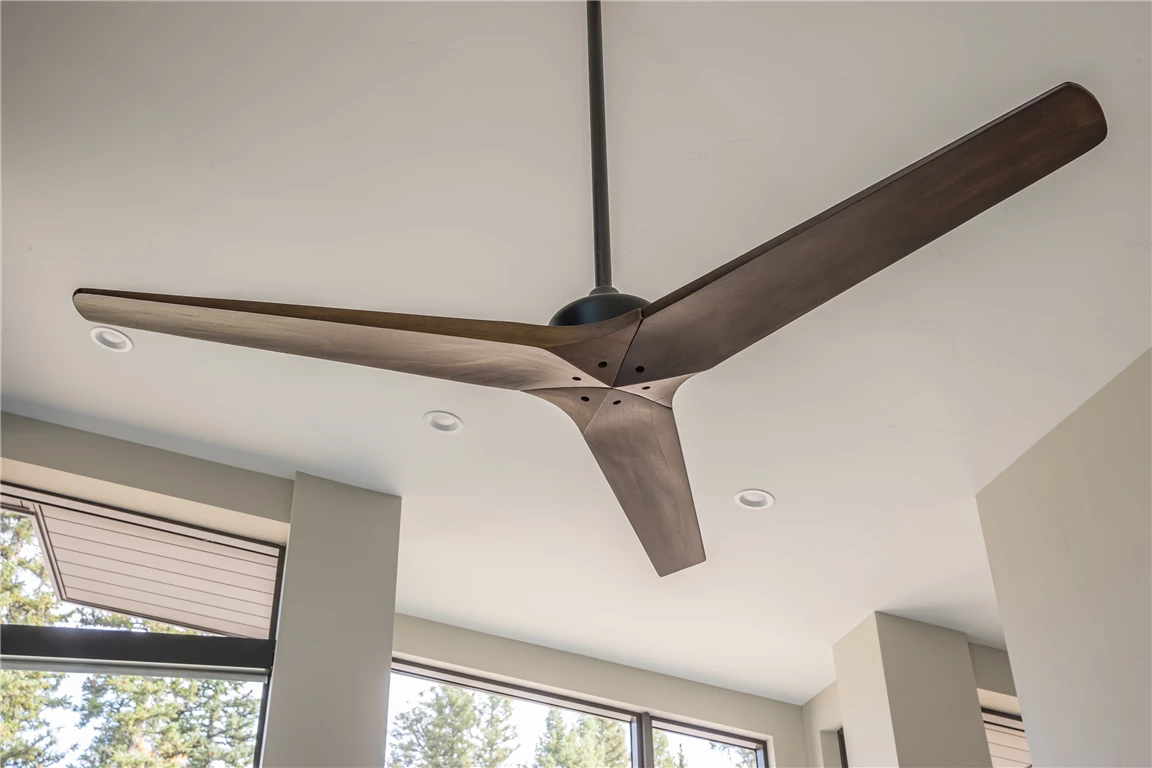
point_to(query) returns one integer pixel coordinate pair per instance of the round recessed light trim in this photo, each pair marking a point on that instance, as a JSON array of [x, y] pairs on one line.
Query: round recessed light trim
[[442, 421], [754, 498], [111, 339]]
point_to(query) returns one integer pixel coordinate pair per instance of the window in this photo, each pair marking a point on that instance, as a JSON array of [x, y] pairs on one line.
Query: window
[[133, 642], [439, 724], [185, 692], [117, 720], [442, 719], [680, 746], [1006, 739]]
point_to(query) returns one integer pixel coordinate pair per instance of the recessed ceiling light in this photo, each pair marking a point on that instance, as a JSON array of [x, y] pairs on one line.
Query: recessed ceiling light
[[754, 498], [442, 421], [111, 339]]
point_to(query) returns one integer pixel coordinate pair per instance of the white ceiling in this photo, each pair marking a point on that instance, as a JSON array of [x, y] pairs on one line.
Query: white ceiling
[[433, 158]]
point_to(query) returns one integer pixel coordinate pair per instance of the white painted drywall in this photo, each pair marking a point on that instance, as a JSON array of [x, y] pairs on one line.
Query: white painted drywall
[[328, 699], [119, 473], [1067, 528], [908, 696], [932, 695], [604, 682], [864, 697], [994, 688], [821, 721], [992, 669]]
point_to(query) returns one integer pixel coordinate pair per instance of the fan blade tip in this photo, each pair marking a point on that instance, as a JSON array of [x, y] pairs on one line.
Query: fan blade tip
[[78, 297], [681, 566], [80, 292], [1093, 105]]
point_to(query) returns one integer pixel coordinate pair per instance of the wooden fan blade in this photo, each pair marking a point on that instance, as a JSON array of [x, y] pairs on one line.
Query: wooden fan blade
[[733, 307], [489, 353], [636, 445]]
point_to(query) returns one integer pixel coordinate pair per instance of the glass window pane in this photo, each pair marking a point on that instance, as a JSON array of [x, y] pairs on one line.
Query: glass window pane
[[677, 750], [27, 595], [73, 719], [435, 725]]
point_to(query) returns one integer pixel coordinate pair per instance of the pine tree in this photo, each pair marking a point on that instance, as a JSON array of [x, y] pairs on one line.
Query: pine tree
[[737, 756], [585, 748], [140, 722], [495, 736], [217, 724], [552, 748], [593, 742], [436, 732], [614, 748], [26, 738], [137, 723], [156, 722], [661, 750]]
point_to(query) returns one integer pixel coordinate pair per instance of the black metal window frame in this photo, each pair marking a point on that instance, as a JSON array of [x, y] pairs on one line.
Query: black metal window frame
[[641, 724], [154, 654]]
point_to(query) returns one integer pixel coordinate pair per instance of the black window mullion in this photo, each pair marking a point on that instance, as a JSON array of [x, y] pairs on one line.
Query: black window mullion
[[642, 752], [18, 641]]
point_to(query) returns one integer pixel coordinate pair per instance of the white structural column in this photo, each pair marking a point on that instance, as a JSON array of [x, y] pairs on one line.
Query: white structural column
[[908, 696], [328, 701], [1068, 529]]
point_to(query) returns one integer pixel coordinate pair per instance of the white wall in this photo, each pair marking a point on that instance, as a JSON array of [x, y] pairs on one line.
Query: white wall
[[604, 682], [140, 478], [994, 688], [908, 696], [821, 721], [864, 697], [328, 698], [932, 695], [992, 669], [1068, 529]]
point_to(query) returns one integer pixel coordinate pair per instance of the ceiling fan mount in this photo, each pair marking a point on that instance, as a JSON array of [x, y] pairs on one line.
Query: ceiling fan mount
[[613, 361], [603, 303]]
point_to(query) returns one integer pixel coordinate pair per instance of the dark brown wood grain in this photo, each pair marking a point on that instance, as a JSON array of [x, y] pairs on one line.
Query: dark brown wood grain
[[616, 379], [489, 353], [581, 405], [638, 449], [733, 307]]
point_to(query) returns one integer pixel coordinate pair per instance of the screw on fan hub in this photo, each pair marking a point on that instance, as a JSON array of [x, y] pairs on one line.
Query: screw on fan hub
[[600, 305]]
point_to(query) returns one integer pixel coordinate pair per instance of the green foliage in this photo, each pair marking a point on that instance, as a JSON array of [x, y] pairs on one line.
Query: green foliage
[[593, 742], [139, 722], [661, 752], [453, 728], [26, 738], [553, 747], [495, 736], [738, 757], [153, 722], [615, 748]]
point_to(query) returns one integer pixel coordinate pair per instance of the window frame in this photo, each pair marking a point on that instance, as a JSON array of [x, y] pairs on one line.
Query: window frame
[[97, 651], [641, 723], [150, 654], [759, 746]]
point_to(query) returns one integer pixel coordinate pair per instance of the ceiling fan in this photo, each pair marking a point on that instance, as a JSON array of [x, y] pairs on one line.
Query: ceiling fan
[[613, 361]]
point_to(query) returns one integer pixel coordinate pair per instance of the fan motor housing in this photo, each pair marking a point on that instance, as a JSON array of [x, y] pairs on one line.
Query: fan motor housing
[[597, 307]]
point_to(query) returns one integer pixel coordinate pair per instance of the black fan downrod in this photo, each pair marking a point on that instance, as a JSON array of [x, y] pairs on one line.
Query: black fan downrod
[[604, 302]]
